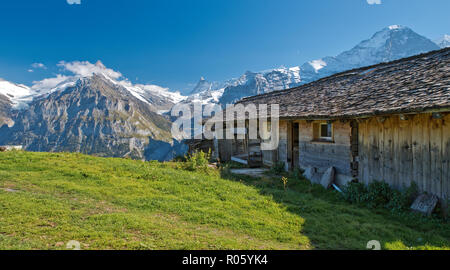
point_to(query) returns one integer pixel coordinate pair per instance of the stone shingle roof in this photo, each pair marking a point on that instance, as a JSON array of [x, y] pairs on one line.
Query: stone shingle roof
[[415, 84]]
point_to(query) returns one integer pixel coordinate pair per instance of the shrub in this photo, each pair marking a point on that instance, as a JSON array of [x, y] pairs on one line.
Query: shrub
[[278, 167], [379, 194], [401, 201], [355, 192], [198, 161]]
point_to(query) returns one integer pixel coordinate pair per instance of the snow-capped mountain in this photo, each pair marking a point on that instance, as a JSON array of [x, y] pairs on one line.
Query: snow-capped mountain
[[391, 43], [17, 94], [155, 96], [158, 98], [443, 42], [203, 86], [95, 115], [206, 97], [206, 92], [92, 110], [255, 83], [13, 97]]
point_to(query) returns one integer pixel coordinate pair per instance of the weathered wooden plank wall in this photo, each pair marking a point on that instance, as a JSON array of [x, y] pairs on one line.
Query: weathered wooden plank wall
[[445, 189], [269, 157], [225, 149], [399, 152], [322, 155]]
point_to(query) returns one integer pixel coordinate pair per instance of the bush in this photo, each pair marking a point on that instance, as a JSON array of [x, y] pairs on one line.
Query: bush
[[198, 161], [401, 201], [278, 167], [355, 193], [380, 195]]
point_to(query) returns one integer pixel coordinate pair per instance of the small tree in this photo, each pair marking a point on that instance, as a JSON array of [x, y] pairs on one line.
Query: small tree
[[285, 182], [198, 160]]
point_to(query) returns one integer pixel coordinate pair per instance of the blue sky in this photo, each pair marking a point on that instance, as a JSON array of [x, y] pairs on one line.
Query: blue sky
[[173, 43]]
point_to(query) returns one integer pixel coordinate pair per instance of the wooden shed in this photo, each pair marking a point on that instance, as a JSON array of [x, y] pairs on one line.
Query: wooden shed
[[388, 122]]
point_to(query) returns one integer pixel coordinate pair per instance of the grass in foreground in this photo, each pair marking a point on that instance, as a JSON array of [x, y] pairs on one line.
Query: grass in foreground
[[104, 203]]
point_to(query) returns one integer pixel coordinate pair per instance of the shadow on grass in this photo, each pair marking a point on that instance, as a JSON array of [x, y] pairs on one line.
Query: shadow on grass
[[333, 223]]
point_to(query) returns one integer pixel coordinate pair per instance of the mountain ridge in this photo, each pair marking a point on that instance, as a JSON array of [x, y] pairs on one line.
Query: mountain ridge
[[390, 43], [94, 116]]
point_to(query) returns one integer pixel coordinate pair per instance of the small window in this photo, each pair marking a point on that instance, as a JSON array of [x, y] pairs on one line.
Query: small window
[[326, 131], [323, 132]]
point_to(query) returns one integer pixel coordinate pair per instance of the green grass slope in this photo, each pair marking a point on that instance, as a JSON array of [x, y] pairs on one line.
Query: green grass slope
[[48, 199]]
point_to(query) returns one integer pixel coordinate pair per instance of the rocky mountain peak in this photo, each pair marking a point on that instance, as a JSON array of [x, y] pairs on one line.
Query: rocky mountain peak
[[100, 64], [202, 86]]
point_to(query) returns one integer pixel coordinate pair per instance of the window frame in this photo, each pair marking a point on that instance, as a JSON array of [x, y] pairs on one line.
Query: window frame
[[326, 138]]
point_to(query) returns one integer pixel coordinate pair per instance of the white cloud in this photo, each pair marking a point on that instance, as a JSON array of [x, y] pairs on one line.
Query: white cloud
[[30, 70], [48, 84], [76, 2], [38, 65], [374, 2], [85, 69]]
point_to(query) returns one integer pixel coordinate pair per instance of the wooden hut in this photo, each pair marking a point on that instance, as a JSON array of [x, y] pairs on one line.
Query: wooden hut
[[388, 122]]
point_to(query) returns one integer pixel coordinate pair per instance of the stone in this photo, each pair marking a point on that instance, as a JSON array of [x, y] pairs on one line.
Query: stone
[[312, 175], [328, 178], [9, 190], [425, 204]]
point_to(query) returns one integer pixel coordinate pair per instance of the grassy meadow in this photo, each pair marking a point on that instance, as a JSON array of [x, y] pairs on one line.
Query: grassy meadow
[[48, 199]]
